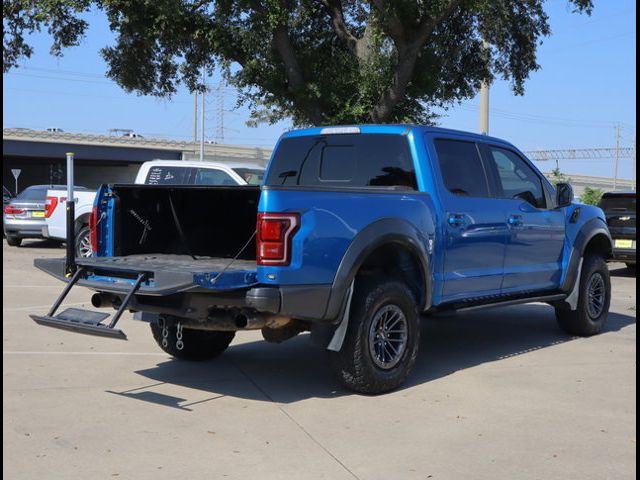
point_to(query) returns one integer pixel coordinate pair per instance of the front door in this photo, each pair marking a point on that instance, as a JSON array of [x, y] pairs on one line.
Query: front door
[[534, 251]]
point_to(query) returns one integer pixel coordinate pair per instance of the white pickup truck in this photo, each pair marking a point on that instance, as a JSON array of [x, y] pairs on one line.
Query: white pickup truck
[[155, 172]]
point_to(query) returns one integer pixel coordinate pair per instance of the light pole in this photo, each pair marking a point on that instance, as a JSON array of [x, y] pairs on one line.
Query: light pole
[[204, 88], [484, 97]]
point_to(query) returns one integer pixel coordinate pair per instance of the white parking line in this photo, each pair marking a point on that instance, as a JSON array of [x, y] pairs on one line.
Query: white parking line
[[37, 307], [31, 286], [153, 354]]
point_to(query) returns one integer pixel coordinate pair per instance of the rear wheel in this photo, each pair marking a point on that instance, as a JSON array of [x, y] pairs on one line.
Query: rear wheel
[[382, 338], [593, 300], [13, 241], [197, 344]]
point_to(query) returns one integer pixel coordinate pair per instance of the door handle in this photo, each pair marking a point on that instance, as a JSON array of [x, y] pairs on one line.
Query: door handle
[[456, 220], [515, 220]]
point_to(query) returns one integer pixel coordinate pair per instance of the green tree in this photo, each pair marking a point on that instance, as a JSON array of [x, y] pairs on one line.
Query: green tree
[[591, 196], [557, 177], [314, 61]]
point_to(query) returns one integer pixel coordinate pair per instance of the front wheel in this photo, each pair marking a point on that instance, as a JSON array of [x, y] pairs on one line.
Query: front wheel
[[382, 339], [593, 300], [196, 344]]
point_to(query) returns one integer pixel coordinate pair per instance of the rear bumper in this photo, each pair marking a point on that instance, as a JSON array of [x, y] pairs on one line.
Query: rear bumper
[[624, 255], [23, 229], [307, 302], [181, 296]]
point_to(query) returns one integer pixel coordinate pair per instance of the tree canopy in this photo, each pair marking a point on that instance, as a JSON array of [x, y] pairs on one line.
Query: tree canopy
[[313, 61]]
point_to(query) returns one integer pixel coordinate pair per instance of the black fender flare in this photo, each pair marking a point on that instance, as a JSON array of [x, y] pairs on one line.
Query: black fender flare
[[81, 221], [382, 232], [588, 231]]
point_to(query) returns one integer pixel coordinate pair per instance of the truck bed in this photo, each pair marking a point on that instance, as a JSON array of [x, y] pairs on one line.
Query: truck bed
[[176, 221]]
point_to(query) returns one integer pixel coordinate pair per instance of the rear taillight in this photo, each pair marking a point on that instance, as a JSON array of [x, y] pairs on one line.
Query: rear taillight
[[274, 232], [93, 229], [10, 210], [50, 205]]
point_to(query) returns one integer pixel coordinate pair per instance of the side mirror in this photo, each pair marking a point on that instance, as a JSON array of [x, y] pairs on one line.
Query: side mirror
[[564, 195]]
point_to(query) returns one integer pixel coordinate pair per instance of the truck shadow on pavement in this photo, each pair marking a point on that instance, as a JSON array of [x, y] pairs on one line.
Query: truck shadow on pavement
[[297, 370]]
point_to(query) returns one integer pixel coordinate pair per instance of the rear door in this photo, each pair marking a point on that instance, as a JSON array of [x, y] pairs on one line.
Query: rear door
[[533, 259], [473, 223]]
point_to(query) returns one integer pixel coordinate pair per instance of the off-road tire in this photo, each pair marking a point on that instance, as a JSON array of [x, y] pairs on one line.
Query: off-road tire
[[582, 322], [354, 364], [13, 241], [198, 344]]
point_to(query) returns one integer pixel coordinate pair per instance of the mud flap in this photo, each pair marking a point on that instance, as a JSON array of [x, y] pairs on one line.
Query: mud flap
[[341, 330], [572, 299]]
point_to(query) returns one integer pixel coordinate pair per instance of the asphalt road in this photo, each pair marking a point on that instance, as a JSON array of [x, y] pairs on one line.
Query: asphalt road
[[501, 394]]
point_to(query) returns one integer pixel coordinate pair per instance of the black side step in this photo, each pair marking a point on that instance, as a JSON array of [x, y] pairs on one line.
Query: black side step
[[80, 321], [86, 321]]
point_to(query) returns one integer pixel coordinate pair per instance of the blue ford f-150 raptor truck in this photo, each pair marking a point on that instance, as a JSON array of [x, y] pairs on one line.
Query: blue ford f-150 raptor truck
[[355, 233]]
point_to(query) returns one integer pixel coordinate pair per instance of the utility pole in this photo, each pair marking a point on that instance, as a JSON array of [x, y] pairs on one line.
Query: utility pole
[[204, 89], [484, 98], [195, 118], [618, 128], [219, 113], [633, 159]]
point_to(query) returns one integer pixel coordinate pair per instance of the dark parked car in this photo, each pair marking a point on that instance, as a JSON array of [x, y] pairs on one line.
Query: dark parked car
[[23, 216], [620, 209]]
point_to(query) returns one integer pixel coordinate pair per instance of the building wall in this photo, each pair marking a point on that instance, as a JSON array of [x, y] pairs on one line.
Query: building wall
[[45, 163], [53, 171]]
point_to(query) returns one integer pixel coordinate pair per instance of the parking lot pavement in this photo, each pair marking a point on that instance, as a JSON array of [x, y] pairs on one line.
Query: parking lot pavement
[[500, 394]]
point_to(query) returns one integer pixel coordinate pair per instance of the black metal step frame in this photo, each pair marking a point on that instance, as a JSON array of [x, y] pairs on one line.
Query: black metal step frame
[[86, 321]]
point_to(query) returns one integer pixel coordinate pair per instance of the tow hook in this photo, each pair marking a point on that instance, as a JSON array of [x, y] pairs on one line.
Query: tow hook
[[179, 342]]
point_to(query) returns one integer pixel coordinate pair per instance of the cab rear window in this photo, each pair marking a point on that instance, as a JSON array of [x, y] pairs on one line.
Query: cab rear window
[[363, 160]]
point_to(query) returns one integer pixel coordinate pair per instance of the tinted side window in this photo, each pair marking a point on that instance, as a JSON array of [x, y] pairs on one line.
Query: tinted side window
[[166, 175], [462, 169], [210, 176], [343, 161], [250, 175], [517, 178]]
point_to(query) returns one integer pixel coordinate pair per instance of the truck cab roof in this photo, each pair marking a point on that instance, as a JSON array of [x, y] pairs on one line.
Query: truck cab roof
[[397, 129]]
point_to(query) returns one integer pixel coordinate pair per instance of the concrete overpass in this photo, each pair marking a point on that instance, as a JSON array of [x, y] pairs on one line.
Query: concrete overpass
[[580, 182]]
